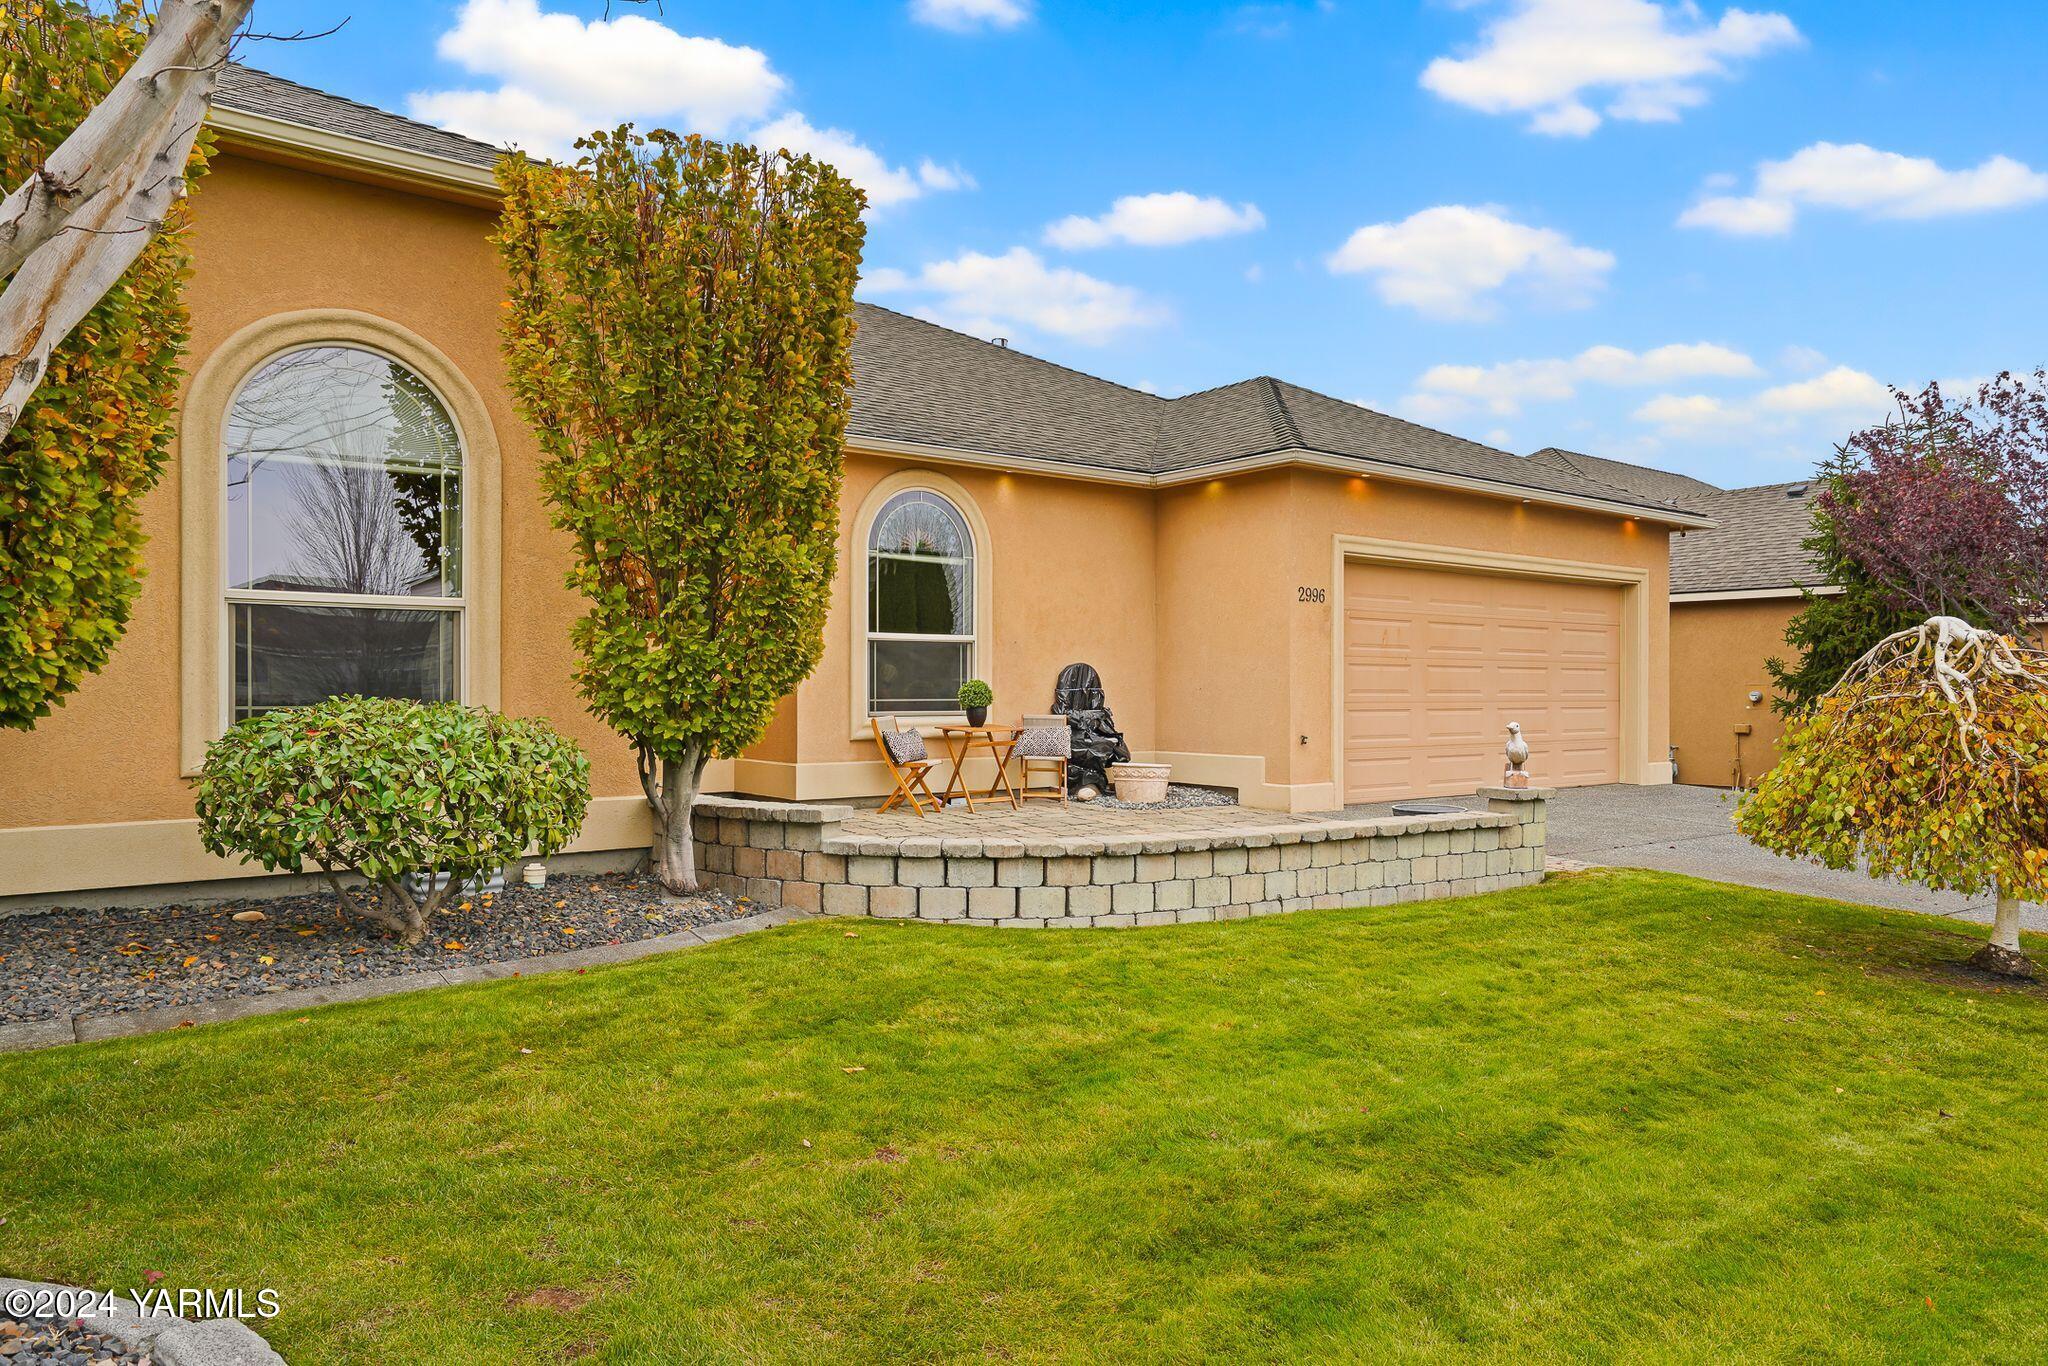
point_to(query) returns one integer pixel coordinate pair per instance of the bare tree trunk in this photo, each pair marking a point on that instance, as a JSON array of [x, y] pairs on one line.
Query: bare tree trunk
[[78, 222], [2003, 954], [671, 799]]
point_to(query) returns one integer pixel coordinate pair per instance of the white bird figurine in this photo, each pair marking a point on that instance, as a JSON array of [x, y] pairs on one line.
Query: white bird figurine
[[1518, 754]]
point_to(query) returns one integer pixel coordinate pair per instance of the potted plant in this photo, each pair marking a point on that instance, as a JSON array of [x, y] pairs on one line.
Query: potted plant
[[975, 696]]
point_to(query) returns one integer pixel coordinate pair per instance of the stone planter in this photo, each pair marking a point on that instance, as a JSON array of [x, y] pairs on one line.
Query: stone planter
[[1140, 784]]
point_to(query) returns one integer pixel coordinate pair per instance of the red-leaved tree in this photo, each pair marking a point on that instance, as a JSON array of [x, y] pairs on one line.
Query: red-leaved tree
[[1946, 509]]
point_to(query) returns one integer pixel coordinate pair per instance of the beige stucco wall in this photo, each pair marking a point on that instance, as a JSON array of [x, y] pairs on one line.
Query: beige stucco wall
[[1253, 664], [269, 240], [1069, 576], [1718, 651], [1186, 599]]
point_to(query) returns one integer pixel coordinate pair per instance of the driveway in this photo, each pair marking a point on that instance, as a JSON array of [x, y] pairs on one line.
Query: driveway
[[1689, 830]]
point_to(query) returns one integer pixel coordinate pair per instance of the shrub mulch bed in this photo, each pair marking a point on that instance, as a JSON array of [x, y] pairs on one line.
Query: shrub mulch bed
[[97, 962], [61, 1342]]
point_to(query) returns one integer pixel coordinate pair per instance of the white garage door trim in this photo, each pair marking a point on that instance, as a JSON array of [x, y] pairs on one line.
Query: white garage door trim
[[1638, 764]]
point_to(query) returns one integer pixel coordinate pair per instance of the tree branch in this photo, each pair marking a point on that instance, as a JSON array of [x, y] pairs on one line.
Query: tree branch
[[187, 46]]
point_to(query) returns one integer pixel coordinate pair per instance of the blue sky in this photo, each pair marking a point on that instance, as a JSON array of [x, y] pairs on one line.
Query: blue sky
[[1701, 237]]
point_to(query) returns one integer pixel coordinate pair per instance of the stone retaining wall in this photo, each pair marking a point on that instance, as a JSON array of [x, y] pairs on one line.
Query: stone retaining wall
[[795, 855]]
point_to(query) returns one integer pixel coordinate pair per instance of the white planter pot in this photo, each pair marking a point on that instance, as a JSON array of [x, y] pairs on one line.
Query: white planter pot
[[1140, 784]]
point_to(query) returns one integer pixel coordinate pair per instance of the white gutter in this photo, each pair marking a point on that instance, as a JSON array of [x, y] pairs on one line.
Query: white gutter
[[353, 153], [1301, 457], [1755, 594], [1293, 457]]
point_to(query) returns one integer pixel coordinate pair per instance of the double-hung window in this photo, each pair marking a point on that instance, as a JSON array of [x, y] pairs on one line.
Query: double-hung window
[[344, 533], [920, 629]]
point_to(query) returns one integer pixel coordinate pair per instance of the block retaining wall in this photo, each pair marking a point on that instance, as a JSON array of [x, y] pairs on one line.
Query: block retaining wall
[[798, 856]]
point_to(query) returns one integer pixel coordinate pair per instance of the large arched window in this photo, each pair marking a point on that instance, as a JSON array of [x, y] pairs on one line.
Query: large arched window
[[343, 475], [920, 629]]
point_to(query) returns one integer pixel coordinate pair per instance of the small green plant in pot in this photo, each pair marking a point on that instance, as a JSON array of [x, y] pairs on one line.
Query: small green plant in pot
[[975, 696], [385, 789]]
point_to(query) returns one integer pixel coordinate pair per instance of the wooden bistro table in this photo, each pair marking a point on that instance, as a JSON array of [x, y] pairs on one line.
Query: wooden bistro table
[[961, 742]]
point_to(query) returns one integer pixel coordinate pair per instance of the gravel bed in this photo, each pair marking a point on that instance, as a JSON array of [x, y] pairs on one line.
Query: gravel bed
[[1179, 797], [96, 962], [60, 1342]]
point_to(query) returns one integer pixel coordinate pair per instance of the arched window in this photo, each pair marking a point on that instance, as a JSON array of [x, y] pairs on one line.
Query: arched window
[[920, 605], [344, 533]]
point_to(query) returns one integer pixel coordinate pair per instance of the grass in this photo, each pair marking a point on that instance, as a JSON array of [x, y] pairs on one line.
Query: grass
[[1623, 1113]]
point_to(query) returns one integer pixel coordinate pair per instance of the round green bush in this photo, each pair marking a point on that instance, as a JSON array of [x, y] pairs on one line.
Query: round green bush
[[975, 693], [387, 788]]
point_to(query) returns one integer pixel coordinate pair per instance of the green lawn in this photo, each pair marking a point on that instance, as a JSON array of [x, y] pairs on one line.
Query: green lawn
[[1623, 1113]]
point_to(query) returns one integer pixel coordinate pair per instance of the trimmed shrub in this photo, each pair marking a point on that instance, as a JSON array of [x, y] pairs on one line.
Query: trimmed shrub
[[975, 693], [387, 788]]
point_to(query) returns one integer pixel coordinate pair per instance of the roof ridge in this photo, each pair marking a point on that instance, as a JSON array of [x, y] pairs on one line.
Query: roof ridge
[[1433, 431], [1284, 425], [1011, 350]]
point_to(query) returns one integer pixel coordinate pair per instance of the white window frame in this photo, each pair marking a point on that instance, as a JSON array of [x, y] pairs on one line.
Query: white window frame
[[231, 596], [970, 560], [981, 660], [204, 698]]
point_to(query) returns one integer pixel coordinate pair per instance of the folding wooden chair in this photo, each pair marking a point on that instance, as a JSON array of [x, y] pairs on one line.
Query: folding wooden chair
[[904, 753], [1043, 744]]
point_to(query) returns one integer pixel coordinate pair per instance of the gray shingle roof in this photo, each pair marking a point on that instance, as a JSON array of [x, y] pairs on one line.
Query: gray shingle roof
[[920, 383], [258, 92], [917, 381], [1754, 544], [1679, 490]]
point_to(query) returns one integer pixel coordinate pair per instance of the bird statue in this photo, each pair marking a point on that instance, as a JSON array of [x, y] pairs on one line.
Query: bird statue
[[1518, 754]]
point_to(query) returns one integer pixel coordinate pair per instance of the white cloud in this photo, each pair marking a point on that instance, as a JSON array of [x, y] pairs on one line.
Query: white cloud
[[1801, 360], [1865, 180], [1552, 59], [1739, 216], [1444, 390], [1842, 397], [885, 184], [964, 16], [1000, 295], [561, 76], [936, 177], [1447, 262], [1156, 220], [1840, 390], [1686, 414]]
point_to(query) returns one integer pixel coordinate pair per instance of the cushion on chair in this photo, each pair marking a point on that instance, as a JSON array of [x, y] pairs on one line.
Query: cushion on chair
[[904, 746], [1044, 742]]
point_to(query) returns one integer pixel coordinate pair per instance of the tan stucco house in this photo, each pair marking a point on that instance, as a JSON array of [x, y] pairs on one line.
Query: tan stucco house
[[1295, 597], [1734, 587]]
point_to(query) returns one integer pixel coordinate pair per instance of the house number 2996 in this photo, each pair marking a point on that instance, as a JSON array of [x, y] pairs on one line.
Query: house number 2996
[[1308, 595]]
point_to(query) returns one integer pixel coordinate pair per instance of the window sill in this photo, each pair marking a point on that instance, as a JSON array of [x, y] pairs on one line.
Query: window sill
[[925, 723]]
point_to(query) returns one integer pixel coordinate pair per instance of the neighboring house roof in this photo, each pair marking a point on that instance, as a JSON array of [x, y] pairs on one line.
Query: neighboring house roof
[[1754, 546], [1677, 489], [918, 385]]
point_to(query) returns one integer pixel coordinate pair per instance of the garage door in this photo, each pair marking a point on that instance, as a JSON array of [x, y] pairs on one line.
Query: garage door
[[1436, 663]]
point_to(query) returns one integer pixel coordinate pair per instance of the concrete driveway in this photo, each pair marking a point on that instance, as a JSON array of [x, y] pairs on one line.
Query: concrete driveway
[[1689, 830]]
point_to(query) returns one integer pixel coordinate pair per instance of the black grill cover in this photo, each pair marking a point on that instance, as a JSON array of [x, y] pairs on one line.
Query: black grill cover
[[1097, 742]]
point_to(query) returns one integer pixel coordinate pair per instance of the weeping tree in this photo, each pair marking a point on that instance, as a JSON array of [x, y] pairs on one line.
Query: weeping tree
[[1942, 510], [1929, 761], [679, 335]]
